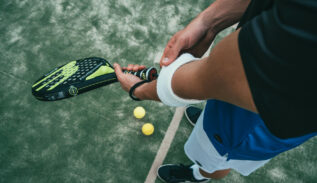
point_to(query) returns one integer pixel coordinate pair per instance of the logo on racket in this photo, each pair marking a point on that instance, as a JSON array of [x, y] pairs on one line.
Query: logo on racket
[[143, 76], [73, 90]]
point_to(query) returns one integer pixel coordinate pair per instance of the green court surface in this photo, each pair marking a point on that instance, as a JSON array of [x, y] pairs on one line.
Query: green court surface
[[94, 137]]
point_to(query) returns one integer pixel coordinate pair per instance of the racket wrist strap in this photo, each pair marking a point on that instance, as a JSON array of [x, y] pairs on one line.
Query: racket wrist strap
[[134, 87]]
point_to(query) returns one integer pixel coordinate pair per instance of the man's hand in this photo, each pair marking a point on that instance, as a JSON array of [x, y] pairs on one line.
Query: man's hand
[[147, 91], [195, 39], [127, 80], [199, 34]]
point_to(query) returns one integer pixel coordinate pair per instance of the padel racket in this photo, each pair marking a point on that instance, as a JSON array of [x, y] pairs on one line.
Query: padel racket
[[80, 76]]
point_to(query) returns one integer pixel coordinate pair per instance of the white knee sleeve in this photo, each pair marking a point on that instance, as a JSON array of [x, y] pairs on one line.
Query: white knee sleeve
[[164, 83]]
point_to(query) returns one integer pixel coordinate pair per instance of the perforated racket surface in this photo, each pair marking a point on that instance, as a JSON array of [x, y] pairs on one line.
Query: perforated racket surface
[[76, 77]]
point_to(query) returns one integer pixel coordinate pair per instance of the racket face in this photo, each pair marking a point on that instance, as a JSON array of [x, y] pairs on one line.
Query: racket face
[[74, 78]]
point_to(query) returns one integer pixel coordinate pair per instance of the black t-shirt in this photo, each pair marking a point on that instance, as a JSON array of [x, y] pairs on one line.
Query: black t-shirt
[[278, 47]]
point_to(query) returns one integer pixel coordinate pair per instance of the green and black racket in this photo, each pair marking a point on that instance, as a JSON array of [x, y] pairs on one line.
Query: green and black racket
[[80, 76]]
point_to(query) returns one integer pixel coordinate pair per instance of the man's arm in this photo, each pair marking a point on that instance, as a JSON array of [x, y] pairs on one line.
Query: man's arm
[[223, 13], [220, 76], [199, 34]]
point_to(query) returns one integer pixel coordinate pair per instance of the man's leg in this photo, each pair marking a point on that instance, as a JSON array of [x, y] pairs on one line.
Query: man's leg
[[192, 113], [200, 174], [193, 173], [215, 175]]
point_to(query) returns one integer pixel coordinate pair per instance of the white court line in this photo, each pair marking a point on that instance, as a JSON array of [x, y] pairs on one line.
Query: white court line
[[165, 145]]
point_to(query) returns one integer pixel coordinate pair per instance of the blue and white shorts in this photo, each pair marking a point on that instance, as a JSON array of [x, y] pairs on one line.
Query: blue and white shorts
[[201, 151]]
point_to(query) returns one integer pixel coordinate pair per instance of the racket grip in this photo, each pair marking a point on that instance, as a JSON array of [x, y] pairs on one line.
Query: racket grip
[[145, 74]]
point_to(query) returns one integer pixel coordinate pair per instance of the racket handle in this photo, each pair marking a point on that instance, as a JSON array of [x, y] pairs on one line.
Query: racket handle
[[145, 74]]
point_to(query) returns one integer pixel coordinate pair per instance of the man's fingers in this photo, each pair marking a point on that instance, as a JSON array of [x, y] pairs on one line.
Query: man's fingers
[[135, 68], [168, 46], [171, 52], [142, 67], [130, 67]]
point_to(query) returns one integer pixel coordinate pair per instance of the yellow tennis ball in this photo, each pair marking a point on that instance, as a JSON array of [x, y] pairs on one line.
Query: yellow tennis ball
[[139, 112], [147, 129]]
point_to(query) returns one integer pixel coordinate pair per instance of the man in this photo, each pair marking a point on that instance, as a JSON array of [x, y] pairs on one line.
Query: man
[[261, 79]]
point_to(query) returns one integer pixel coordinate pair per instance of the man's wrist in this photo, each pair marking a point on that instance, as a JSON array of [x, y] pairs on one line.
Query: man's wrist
[[208, 19], [222, 14], [214, 19], [147, 91], [139, 92]]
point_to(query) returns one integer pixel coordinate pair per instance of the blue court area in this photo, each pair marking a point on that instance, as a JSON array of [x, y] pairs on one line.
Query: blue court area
[[94, 137]]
